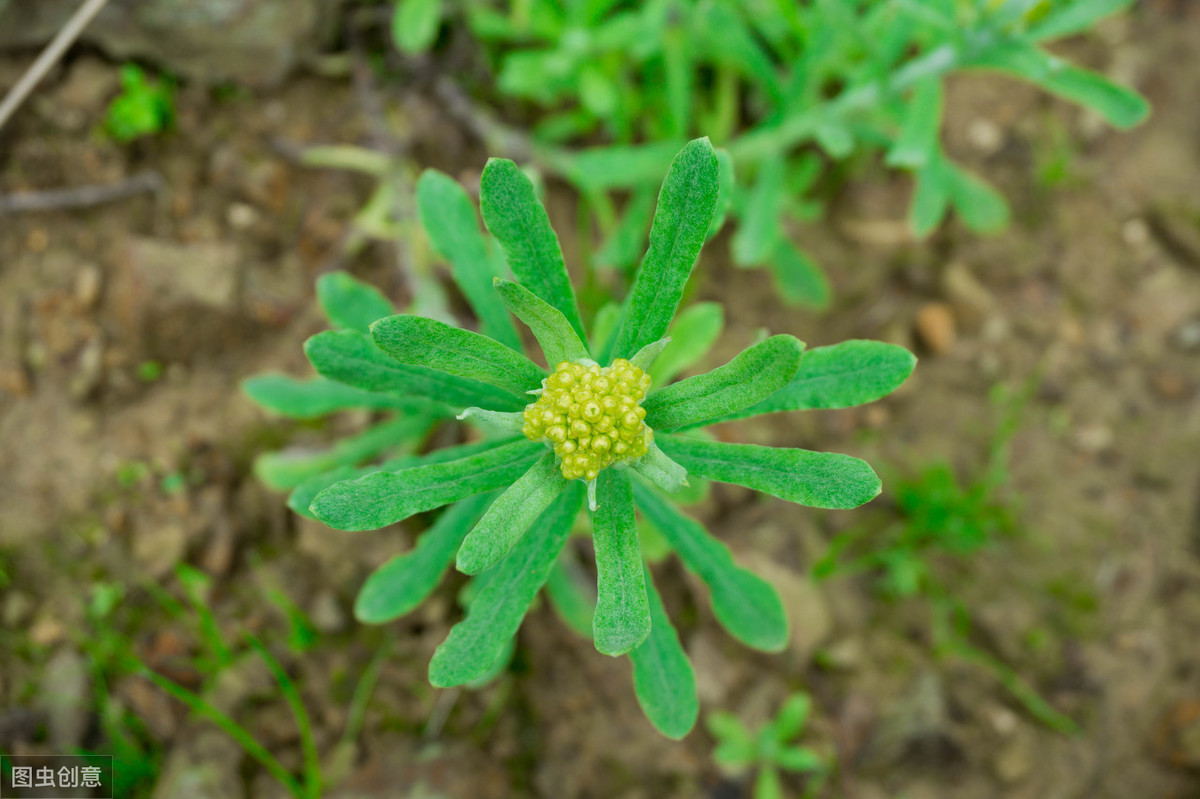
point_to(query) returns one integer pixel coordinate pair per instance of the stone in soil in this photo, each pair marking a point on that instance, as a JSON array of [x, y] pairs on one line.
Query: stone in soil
[[936, 328]]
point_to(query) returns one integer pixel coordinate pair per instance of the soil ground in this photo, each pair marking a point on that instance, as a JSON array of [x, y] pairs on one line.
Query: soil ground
[[127, 449]]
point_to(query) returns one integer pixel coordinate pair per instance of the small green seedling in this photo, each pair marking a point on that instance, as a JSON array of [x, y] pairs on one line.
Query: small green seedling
[[143, 108], [771, 750], [592, 426]]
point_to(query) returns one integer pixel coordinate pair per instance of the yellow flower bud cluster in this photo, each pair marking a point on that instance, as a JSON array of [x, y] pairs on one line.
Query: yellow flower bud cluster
[[591, 416]]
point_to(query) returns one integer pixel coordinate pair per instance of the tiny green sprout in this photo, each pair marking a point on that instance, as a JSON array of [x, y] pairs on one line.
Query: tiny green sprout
[[770, 750], [143, 108], [593, 425]]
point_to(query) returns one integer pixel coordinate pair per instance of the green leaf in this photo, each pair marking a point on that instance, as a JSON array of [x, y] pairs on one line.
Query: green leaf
[[420, 341], [509, 517], [495, 613], [791, 718], [286, 469], [981, 207], [758, 223], [604, 326], [623, 246], [735, 755], [660, 470], [350, 357], [662, 676], [1121, 107], [685, 209], [309, 399], [919, 134], [646, 356], [415, 25], [692, 333], [816, 479], [726, 39], [515, 216], [350, 303], [798, 278], [407, 580], [449, 217], [303, 495], [745, 605], [843, 375], [554, 333], [384, 498], [622, 619], [728, 728], [755, 374], [572, 599], [931, 197], [799, 759], [619, 166], [1065, 19], [768, 785]]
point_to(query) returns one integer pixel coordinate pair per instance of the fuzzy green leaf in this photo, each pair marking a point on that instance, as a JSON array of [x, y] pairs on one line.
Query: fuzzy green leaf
[[622, 619], [685, 209], [1065, 19], [309, 399], [496, 611], [558, 340], [755, 374], [415, 25], [745, 605], [758, 223], [449, 217], [423, 342], [604, 326], [660, 470], [646, 356], [981, 207], [384, 498], [407, 580], [692, 333], [662, 676], [286, 469], [303, 495], [350, 303], [350, 357], [815, 479], [797, 276], [919, 135], [840, 376], [510, 516], [931, 197], [515, 216], [791, 718]]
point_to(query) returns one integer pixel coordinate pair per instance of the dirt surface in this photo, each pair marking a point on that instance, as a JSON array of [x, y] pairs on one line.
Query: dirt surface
[[127, 448]]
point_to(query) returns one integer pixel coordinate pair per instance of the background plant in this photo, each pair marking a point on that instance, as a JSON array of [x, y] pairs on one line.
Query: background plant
[[145, 106], [510, 508], [791, 89], [770, 750]]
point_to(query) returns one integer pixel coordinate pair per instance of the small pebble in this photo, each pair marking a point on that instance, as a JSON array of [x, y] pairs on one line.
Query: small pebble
[[935, 327], [87, 285], [985, 136]]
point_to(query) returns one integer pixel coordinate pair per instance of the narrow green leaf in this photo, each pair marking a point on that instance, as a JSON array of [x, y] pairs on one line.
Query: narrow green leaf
[[554, 333], [677, 62], [728, 728], [286, 469], [495, 613], [350, 357], [798, 278], [498, 422], [726, 38], [815, 479], [931, 197], [303, 495], [791, 718], [646, 356], [843, 375], [1121, 107], [449, 217], [745, 605], [662, 676], [692, 334], [619, 166], [572, 599], [350, 303], [384, 498], [685, 209], [424, 342], [515, 216], [415, 25], [1065, 19], [767, 785], [754, 375], [981, 207], [309, 399], [799, 759], [758, 222], [919, 134], [510, 516], [622, 619], [660, 470], [407, 580]]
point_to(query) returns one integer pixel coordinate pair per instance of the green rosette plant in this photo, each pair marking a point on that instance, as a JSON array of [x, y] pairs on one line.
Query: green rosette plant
[[592, 428]]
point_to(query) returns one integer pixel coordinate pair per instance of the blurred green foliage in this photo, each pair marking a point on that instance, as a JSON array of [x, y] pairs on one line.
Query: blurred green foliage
[[771, 749], [145, 107]]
